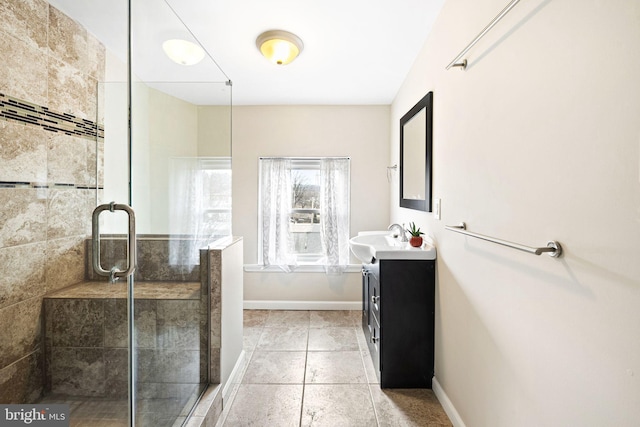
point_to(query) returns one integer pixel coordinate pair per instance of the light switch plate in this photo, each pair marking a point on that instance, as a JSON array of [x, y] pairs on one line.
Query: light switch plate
[[436, 208]]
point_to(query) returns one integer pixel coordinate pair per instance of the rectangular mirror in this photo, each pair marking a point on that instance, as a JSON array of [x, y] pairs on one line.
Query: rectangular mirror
[[416, 155]]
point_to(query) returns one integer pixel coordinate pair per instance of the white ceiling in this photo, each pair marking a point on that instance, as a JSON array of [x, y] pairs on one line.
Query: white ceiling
[[356, 51]]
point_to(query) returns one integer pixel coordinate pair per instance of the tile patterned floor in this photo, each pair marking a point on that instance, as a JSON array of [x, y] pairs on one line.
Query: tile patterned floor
[[312, 368]]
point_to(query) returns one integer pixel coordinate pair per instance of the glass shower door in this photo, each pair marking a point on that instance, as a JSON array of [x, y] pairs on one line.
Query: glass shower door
[[164, 150], [180, 189]]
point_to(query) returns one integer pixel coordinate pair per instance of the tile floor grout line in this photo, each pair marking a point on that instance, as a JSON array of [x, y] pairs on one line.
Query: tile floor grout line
[[304, 373], [366, 375]]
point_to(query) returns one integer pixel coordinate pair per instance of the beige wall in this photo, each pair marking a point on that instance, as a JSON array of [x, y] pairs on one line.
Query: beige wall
[[361, 132], [173, 132], [214, 131], [164, 127], [538, 139]]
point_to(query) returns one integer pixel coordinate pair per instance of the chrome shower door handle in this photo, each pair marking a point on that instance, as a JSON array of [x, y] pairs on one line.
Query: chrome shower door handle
[[114, 273]]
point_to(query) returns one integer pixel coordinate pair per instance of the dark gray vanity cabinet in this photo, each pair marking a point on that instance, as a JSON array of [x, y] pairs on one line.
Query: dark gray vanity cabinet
[[398, 309]]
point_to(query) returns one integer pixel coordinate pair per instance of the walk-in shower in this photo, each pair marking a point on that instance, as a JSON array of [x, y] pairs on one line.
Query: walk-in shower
[[94, 118]]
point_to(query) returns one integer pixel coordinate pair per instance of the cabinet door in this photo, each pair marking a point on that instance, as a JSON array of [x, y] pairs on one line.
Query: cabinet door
[[407, 301], [365, 301], [374, 339]]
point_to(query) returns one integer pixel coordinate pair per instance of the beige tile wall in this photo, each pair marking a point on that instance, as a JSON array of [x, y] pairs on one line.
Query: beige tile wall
[[48, 60]]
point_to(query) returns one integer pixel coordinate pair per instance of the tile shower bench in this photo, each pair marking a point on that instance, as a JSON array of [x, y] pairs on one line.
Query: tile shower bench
[[86, 337]]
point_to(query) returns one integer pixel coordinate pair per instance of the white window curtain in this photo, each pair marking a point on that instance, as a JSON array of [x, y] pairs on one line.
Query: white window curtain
[[275, 215], [189, 200], [186, 206], [334, 213], [277, 243]]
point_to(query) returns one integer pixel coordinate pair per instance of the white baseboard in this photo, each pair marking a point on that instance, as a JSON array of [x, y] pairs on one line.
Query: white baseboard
[[448, 407], [235, 377], [302, 305]]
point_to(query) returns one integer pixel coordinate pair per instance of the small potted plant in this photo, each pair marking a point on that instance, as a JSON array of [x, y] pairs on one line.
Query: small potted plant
[[416, 238]]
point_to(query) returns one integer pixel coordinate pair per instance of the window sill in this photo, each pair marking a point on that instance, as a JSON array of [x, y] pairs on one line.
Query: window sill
[[258, 268]]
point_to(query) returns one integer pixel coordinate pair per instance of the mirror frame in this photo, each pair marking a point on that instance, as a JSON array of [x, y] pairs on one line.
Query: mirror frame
[[426, 103]]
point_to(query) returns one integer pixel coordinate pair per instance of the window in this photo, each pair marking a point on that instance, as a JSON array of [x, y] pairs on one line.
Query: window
[[304, 212], [216, 174], [304, 222], [199, 205]]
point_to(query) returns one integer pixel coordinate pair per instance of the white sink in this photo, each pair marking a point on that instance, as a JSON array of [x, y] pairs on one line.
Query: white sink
[[368, 246]]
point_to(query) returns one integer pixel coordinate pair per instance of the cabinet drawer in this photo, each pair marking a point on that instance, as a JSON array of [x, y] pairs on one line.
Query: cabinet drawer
[[375, 304], [374, 294]]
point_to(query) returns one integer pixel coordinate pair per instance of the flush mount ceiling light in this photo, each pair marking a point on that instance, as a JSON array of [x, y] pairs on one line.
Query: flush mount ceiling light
[[183, 52], [278, 46]]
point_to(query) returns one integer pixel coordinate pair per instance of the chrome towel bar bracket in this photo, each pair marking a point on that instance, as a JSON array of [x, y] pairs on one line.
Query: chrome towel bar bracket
[[553, 248]]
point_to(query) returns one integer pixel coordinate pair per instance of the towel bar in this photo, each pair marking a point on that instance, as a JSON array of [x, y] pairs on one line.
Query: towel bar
[[463, 64], [553, 248]]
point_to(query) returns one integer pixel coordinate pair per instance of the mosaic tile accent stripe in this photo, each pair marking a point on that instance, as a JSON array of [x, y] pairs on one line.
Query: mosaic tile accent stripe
[[13, 109], [38, 185]]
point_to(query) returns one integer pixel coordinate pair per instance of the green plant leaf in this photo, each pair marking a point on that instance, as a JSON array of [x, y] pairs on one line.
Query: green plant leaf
[[413, 230]]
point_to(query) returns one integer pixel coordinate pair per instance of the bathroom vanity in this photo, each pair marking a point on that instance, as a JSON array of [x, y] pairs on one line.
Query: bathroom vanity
[[398, 306]]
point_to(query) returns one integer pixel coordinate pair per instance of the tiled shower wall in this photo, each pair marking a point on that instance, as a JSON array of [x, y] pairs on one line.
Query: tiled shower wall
[[48, 78]]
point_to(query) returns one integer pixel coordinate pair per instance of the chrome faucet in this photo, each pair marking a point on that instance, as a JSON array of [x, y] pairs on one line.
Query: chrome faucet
[[402, 234]]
